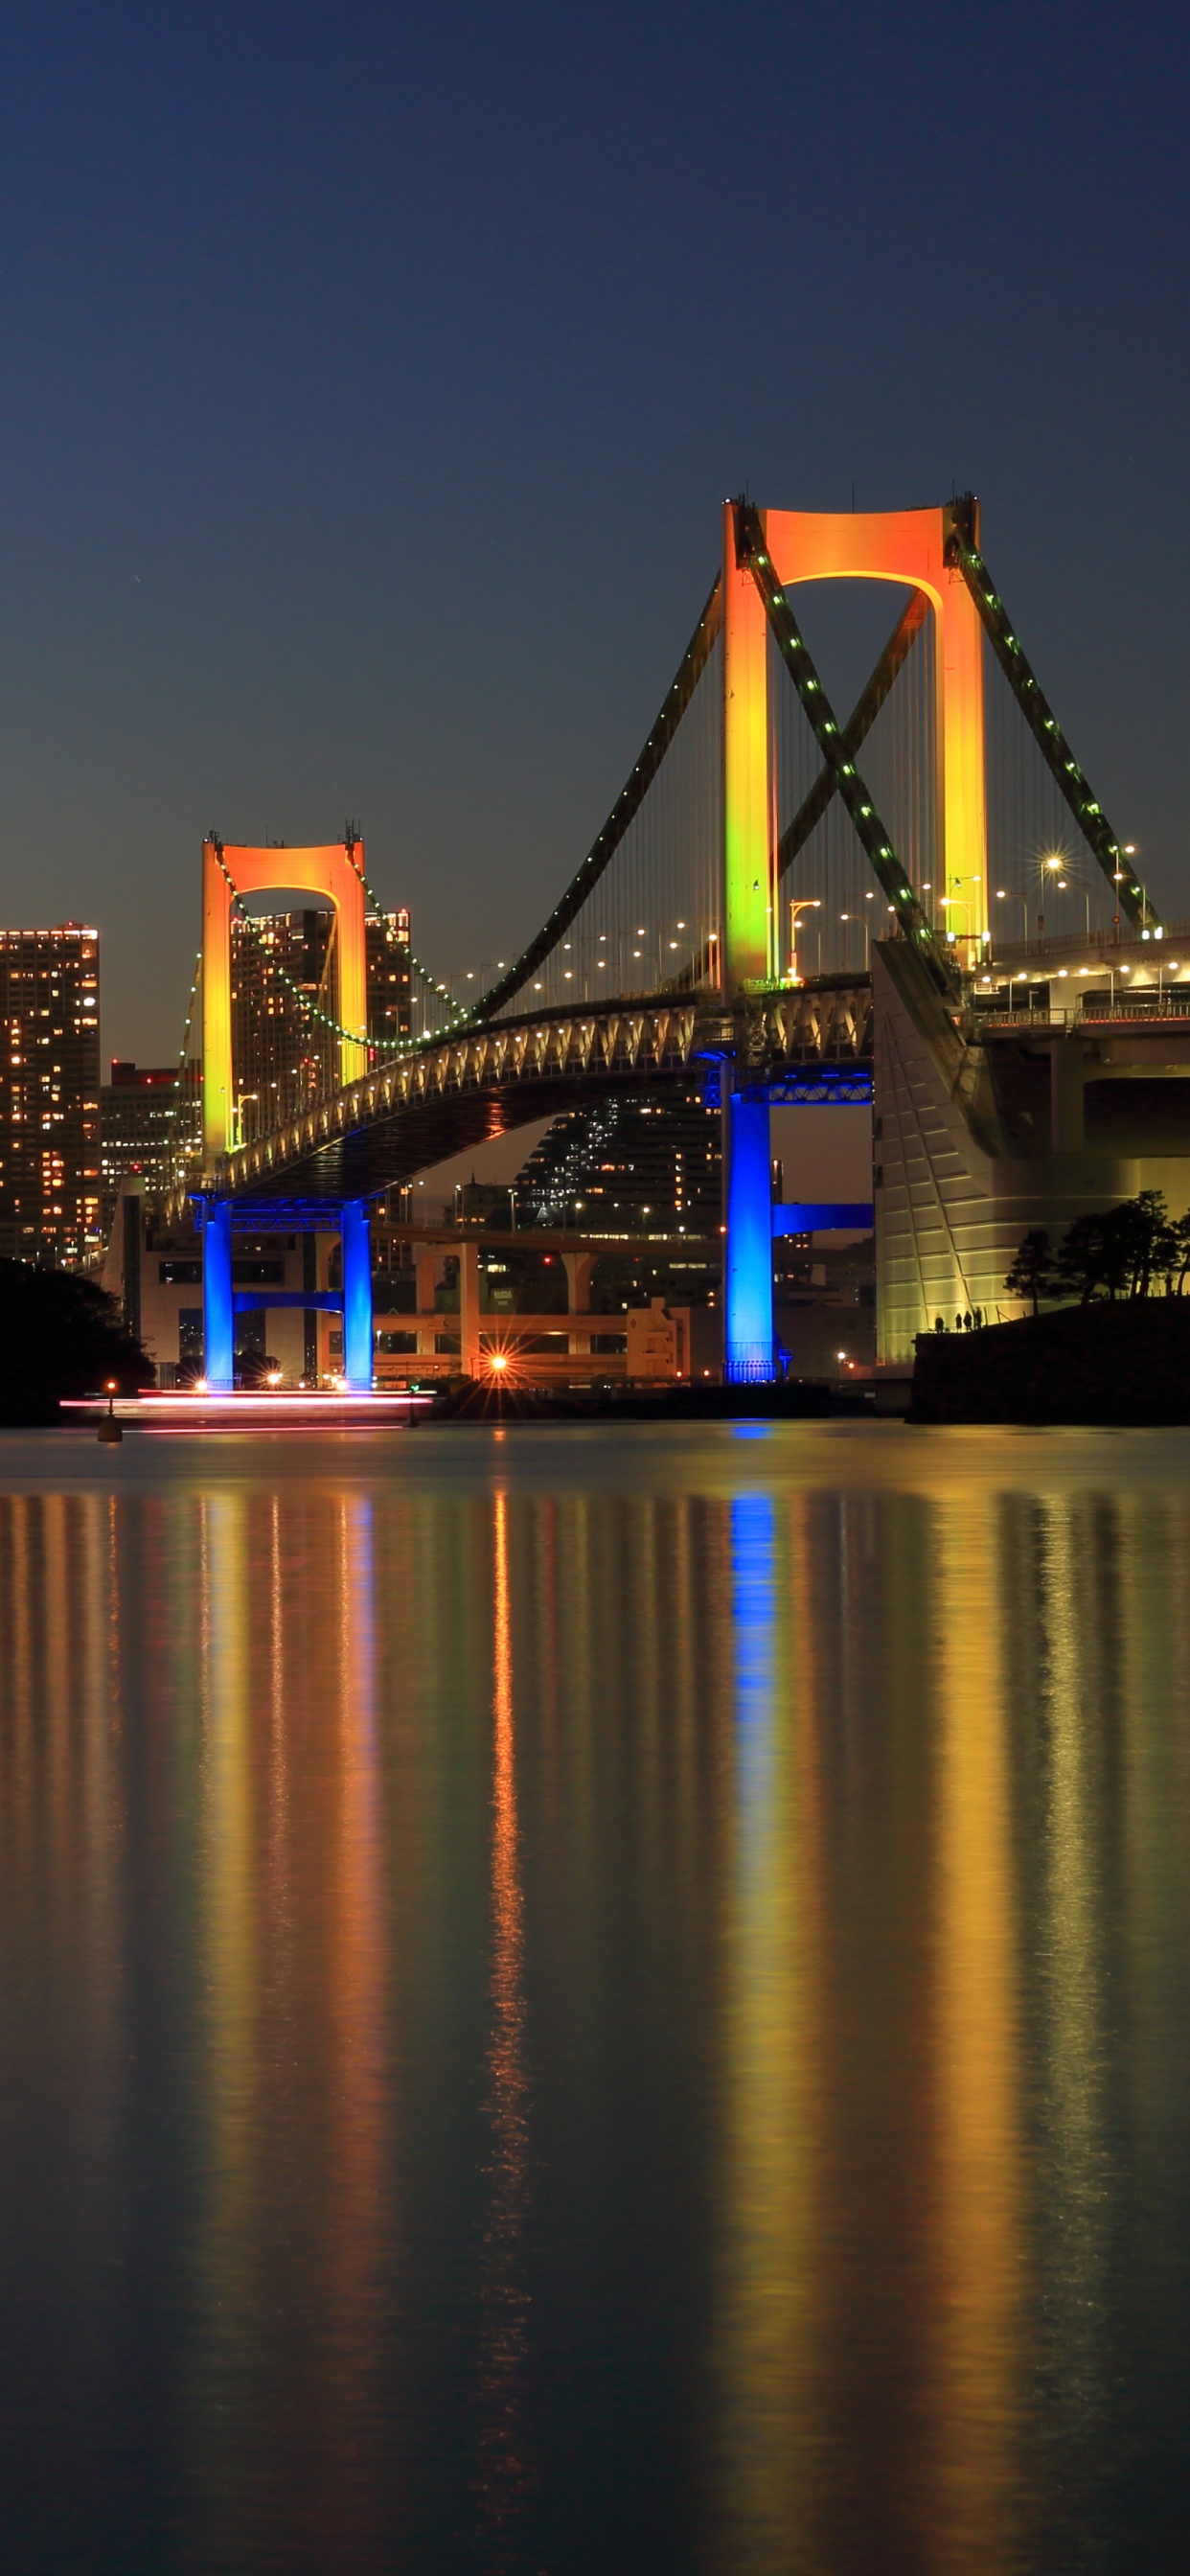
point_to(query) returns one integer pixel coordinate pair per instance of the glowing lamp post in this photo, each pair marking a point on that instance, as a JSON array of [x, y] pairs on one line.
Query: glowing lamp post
[[110, 1431], [809, 903], [1048, 867], [1023, 900]]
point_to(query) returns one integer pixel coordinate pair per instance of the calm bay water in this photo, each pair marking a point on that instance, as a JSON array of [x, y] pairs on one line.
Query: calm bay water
[[587, 2000]]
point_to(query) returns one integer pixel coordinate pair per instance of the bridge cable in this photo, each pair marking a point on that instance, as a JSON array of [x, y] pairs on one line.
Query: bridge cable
[[859, 724], [458, 1010], [962, 550], [753, 556], [389, 1046], [627, 804], [184, 1095]]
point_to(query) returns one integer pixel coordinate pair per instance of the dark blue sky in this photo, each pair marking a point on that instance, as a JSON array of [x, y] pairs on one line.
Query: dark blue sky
[[373, 375]]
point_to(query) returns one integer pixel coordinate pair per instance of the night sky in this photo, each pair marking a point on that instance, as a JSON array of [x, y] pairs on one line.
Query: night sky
[[373, 376]]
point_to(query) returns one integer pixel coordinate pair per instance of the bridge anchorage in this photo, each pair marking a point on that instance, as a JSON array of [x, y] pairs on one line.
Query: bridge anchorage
[[759, 913]]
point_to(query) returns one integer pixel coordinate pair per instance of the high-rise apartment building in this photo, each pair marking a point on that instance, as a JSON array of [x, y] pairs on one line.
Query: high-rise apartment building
[[627, 1167], [49, 1094], [284, 1044], [138, 1130]]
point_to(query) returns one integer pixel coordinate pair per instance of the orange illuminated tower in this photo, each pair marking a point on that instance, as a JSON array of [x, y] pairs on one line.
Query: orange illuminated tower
[[912, 548], [909, 547], [335, 872]]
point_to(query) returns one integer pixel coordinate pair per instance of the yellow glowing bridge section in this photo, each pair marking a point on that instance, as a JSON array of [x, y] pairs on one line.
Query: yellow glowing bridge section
[[904, 546], [910, 546], [335, 873]]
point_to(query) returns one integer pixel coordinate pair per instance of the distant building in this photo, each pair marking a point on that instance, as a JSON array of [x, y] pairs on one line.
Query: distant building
[[138, 1130], [49, 1095], [283, 1035], [390, 974], [627, 1167]]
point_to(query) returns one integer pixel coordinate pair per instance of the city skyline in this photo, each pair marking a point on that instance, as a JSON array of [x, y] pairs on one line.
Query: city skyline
[[390, 492]]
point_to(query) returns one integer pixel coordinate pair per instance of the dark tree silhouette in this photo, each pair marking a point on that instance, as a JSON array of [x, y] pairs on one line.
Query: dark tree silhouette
[[1090, 1257], [59, 1336], [1032, 1274], [1180, 1263], [1148, 1240]]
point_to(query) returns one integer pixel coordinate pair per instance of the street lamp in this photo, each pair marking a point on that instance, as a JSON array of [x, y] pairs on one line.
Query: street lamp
[[950, 902], [1063, 888], [1129, 852], [1047, 867], [241, 1097], [807, 903], [109, 1432], [1002, 896]]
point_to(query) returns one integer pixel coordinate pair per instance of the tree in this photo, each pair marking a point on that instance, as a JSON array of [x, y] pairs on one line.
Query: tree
[[1149, 1238], [1087, 1258], [1032, 1272], [1180, 1262], [1121, 1249], [60, 1336]]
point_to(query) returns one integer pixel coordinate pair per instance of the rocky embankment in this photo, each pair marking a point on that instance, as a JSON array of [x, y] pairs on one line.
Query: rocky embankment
[[1125, 1363]]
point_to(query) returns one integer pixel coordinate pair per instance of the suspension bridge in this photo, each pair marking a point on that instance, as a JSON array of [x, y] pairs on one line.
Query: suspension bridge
[[790, 905]]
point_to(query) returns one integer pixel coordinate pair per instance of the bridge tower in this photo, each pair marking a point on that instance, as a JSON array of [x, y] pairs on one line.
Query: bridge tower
[[747, 950], [335, 873], [915, 549]]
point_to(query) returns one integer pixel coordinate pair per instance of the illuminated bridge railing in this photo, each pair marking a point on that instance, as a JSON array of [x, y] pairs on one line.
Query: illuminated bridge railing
[[807, 1025]]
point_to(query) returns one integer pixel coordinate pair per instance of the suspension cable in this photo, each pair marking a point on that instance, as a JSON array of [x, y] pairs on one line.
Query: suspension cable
[[326, 1019], [628, 803], [859, 724], [962, 549]]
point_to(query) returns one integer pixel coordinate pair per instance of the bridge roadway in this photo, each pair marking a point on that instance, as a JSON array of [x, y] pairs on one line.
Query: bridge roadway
[[808, 1042]]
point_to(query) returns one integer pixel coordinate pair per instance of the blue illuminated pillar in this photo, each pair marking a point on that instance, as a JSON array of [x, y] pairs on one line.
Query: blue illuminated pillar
[[357, 1295], [748, 1353], [218, 1326]]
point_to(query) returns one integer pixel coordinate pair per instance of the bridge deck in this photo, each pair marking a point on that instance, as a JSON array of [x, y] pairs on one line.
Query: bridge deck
[[422, 1107]]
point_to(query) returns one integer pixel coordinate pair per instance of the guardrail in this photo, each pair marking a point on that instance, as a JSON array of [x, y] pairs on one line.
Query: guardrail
[[1093, 1011]]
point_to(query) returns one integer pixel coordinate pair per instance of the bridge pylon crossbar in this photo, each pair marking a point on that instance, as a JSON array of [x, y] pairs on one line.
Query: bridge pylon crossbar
[[856, 730], [849, 785]]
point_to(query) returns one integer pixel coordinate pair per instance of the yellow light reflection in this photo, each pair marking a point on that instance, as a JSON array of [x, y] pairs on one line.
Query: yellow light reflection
[[770, 2308], [504, 2473], [980, 2245]]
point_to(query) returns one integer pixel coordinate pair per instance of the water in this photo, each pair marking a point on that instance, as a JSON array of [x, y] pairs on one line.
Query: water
[[577, 2000]]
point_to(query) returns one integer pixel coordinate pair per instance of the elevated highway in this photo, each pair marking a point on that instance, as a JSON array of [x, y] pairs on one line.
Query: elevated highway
[[811, 1041]]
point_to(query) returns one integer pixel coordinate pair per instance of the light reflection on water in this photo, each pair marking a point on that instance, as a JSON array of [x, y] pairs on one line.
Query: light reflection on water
[[595, 1999]]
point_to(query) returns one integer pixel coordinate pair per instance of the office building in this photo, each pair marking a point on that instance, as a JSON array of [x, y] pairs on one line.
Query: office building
[[49, 1095], [627, 1167], [138, 1130], [284, 1042]]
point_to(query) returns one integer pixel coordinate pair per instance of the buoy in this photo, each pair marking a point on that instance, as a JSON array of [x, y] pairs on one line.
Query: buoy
[[109, 1429]]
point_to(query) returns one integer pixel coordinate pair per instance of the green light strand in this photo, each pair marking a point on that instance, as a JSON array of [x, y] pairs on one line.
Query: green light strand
[[387, 1046], [457, 1009]]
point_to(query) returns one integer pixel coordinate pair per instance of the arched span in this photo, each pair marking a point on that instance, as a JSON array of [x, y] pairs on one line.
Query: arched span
[[405, 1116]]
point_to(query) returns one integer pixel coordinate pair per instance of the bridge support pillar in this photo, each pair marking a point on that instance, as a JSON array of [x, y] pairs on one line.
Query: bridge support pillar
[[357, 1295], [578, 1267], [427, 1298], [749, 1355], [469, 1308], [218, 1314]]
